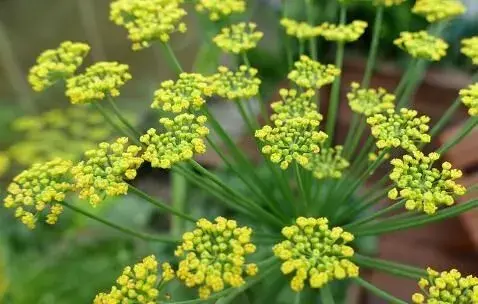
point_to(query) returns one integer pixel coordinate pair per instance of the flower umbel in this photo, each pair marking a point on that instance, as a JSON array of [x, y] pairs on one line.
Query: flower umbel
[[447, 287], [422, 45], [57, 64], [214, 256], [328, 163], [99, 81], [343, 32], [40, 188], [218, 9], [312, 74], [294, 105], [315, 252], [403, 129], [184, 136], [438, 10], [369, 101], [423, 187], [238, 38], [469, 97], [300, 30], [470, 48], [242, 84], [387, 3]]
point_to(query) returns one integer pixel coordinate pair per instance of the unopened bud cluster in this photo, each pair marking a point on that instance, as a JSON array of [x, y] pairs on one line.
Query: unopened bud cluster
[[312, 74], [469, 97], [387, 3], [422, 45], [438, 10], [470, 48], [369, 101], [238, 38], [343, 33], [242, 84], [294, 105], [218, 9], [328, 163], [300, 30]]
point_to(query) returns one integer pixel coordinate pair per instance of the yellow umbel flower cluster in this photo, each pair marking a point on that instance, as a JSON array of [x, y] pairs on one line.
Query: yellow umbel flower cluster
[[294, 104], [183, 137], [57, 133], [4, 163], [148, 21], [57, 64], [469, 97], [369, 101], [186, 94], [422, 45], [423, 187], [447, 287], [242, 84], [328, 163], [105, 169], [238, 38], [387, 3], [403, 129], [438, 10], [214, 256], [38, 188], [99, 81], [300, 30], [315, 252], [343, 33], [311, 74], [138, 284], [217, 9], [292, 139], [470, 48]]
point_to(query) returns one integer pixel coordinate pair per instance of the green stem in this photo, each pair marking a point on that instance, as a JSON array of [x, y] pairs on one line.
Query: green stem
[[115, 126], [467, 128], [352, 130], [264, 112], [405, 78], [377, 214], [389, 267], [179, 193], [418, 72], [445, 117], [144, 236], [122, 118], [172, 59], [287, 39], [372, 57], [311, 21], [303, 197], [378, 292], [326, 295]]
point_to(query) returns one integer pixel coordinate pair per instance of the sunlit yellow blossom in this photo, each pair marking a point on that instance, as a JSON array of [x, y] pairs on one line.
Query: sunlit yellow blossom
[[438, 10], [183, 137], [447, 287], [300, 30], [328, 163], [148, 21], [291, 139], [214, 256], [423, 187], [387, 3], [422, 45], [217, 9], [238, 38], [403, 129], [105, 169], [469, 97], [314, 252], [369, 101], [294, 104], [99, 81], [470, 48], [187, 93], [343, 32], [312, 74], [4, 163], [57, 64], [39, 189], [138, 284], [242, 84]]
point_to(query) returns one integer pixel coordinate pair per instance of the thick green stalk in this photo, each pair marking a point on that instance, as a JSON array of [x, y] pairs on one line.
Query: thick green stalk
[[264, 112], [375, 215], [471, 123], [310, 20], [303, 197], [352, 131], [405, 78], [179, 194], [414, 80], [389, 267], [172, 59], [326, 295], [143, 236], [115, 126], [288, 49], [378, 292], [445, 118], [372, 57], [120, 116]]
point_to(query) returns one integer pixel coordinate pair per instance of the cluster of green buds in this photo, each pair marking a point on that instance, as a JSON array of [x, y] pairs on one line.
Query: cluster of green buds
[[300, 30], [447, 287], [186, 94], [183, 137], [343, 33], [105, 169], [438, 10], [39, 188], [57, 64], [217, 9], [238, 38], [4, 163], [311, 74], [422, 45], [403, 129], [369, 101], [387, 3], [214, 256], [470, 48], [99, 81], [315, 252], [138, 284], [423, 187], [469, 97], [328, 163], [295, 104], [292, 139], [148, 21], [242, 84]]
